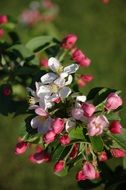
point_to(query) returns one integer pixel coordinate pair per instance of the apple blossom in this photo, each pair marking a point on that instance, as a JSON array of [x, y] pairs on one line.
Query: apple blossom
[[102, 156], [88, 109], [49, 137], [58, 125], [59, 166], [96, 125], [3, 19], [115, 127], [89, 171], [80, 176], [65, 139], [113, 101], [117, 152], [21, 147], [69, 41]]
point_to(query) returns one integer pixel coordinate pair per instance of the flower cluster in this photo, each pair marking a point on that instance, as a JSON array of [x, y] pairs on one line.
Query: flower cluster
[[66, 125], [43, 11], [3, 21]]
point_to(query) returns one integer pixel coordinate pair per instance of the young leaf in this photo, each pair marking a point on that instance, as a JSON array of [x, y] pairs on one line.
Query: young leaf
[[97, 143], [38, 42], [120, 138], [77, 133]]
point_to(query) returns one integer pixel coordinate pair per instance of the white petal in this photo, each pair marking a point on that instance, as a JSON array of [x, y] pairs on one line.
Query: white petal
[[64, 92], [48, 78], [33, 93], [71, 68], [63, 75], [60, 82], [43, 91], [81, 98], [46, 126], [36, 122], [70, 124], [70, 78], [53, 64]]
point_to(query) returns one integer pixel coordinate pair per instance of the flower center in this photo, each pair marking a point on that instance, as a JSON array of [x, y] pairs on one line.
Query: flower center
[[59, 69], [32, 101], [54, 88]]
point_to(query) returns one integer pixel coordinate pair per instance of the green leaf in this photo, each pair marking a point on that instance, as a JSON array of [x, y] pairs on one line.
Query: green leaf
[[38, 42], [120, 138], [113, 116], [93, 93], [77, 133], [36, 139], [97, 143], [124, 162]]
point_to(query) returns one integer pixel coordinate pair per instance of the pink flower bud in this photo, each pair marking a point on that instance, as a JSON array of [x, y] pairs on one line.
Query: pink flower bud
[[118, 153], [6, 91], [74, 151], [64, 140], [89, 171], [84, 79], [59, 166], [113, 101], [39, 157], [58, 125], [96, 125], [49, 137], [102, 156], [115, 127], [105, 1], [88, 109], [1, 32], [77, 113], [80, 176], [3, 19], [56, 100], [80, 58], [69, 41], [44, 63], [21, 147]]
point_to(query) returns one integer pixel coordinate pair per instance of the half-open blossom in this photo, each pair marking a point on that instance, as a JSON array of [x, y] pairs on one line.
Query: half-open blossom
[[21, 147], [89, 171], [1, 32], [39, 157], [3, 19], [58, 125], [49, 137], [59, 166], [115, 127], [113, 101], [79, 57], [96, 125], [80, 176], [77, 113], [102, 156], [65, 139], [42, 124], [69, 41], [88, 109], [117, 152], [84, 79]]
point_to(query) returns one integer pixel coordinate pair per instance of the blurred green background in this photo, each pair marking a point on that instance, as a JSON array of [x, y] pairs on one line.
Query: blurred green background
[[101, 30]]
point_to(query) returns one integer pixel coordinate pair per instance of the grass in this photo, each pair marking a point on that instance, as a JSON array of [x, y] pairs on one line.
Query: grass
[[101, 32]]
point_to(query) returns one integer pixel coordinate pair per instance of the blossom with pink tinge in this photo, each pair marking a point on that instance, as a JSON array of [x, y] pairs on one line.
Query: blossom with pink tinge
[[1, 32], [65, 139], [69, 41], [88, 109], [115, 127], [89, 171], [44, 63], [21, 147], [59, 166], [58, 125], [79, 57], [102, 156], [39, 157], [96, 125], [3, 19], [117, 152], [80, 176], [77, 113], [113, 101], [49, 137], [84, 79]]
